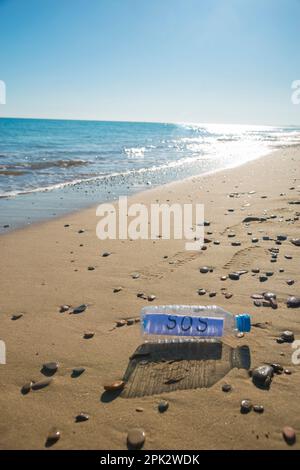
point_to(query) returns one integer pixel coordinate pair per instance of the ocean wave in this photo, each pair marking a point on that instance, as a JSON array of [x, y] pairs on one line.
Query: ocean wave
[[44, 164], [135, 152]]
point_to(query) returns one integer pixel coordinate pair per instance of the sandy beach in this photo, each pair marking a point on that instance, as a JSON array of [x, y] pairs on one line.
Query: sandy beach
[[46, 265]]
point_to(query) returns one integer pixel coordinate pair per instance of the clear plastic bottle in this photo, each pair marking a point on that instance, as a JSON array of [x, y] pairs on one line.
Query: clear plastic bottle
[[173, 323]]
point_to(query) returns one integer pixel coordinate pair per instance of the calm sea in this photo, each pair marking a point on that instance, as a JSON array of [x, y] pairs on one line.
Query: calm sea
[[49, 167]]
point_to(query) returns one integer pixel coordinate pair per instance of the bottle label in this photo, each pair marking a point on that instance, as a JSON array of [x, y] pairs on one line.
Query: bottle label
[[180, 325]]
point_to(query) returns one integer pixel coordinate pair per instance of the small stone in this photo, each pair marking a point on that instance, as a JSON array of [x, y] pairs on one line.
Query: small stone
[[206, 223], [290, 282], [77, 371], [255, 270], [26, 388], [50, 366], [130, 321], [53, 436], [106, 254], [269, 295], [262, 376], [141, 295], [151, 297], [287, 371], [269, 273], [212, 294], [16, 316], [228, 295], [120, 323], [79, 309], [288, 256], [296, 241], [281, 237], [257, 296], [136, 438], [254, 240], [246, 406], [139, 409], [278, 369], [91, 268], [201, 291], [163, 406], [258, 408], [81, 230], [223, 278], [216, 242], [234, 276], [289, 435], [288, 336], [237, 243], [64, 308], [41, 384], [88, 334], [135, 275], [113, 386], [293, 302], [117, 289], [257, 303], [226, 388], [82, 417], [263, 278], [240, 334], [204, 270]]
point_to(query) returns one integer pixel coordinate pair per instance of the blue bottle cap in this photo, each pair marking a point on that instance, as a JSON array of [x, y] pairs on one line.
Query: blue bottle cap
[[243, 322]]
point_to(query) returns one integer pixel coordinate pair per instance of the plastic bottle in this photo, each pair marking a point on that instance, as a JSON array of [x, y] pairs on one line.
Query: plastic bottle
[[169, 323]]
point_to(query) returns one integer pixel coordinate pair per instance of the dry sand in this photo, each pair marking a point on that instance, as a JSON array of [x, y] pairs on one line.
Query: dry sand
[[44, 266]]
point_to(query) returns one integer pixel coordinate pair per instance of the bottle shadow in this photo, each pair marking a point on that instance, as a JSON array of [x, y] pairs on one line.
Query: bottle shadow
[[156, 368]]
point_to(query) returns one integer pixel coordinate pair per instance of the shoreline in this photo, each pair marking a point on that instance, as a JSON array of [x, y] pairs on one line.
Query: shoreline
[[46, 265], [141, 192]]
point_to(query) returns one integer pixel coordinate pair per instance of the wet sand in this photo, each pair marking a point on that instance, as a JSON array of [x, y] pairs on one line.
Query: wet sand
[[46, 265]]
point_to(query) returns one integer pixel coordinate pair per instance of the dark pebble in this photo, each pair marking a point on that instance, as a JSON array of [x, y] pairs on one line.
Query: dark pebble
[[163, 406], [204, 270], [289, 435], [79, 309], [82, 417], [293, 302], [262, 376], [136, 438], [105, 254], [201, 291], [234, 276], [258, 408], [226, 388], [41, 384], [288, 336], [246, 406]]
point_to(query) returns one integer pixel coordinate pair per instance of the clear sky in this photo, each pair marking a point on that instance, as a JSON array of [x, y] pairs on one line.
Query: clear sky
[[229, 61]]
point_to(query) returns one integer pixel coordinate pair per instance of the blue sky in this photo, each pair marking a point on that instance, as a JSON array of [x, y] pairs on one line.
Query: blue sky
[[229, 61]]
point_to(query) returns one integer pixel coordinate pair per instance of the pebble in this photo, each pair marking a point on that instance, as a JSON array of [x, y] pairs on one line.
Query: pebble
[[82, 417], [287, 371], [113, 386], [288, 256], [262, 376], [120, 323], [26, 388], [204, 270], [258, 408], [290, 282], [64, 308], [257, 296], [212, 294], [255, 270], [16, 316], [81, 230], [257, 303], [79, 309], [296, 241], [88, 334], [201, 291], [228, 295], [163, 406], [139, 409], [91, 268], [50, 366], [223, 278], [246, 406], [236, 243], [289, 435], [281, 237], [151, 297], [41, 384], [105, 254], [263, 278], [77, 371], [278, 369], [136, 438], [288, 336], [269, 273], [293, 302], [269, 295], [254, 240], [130, 321], [53, 436], [226, 388], [135, 275], [234, 276], [117, 289], [240, 334]]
